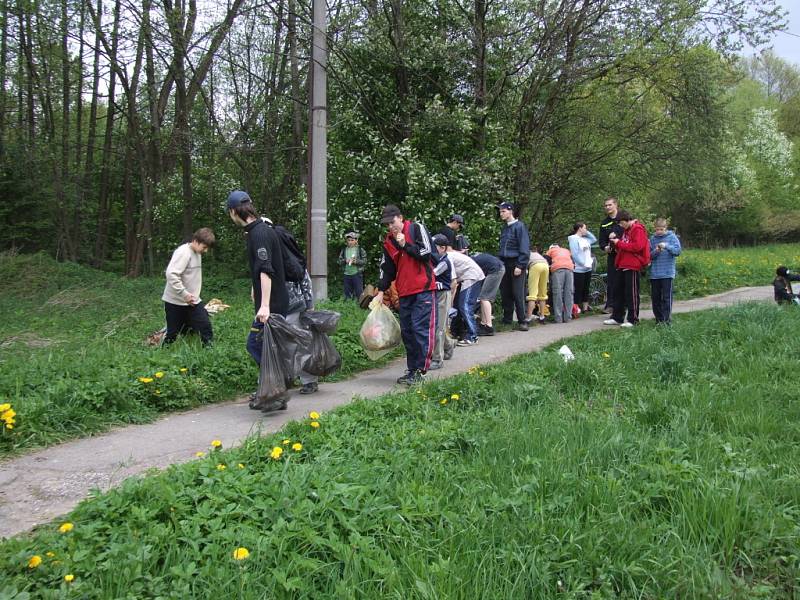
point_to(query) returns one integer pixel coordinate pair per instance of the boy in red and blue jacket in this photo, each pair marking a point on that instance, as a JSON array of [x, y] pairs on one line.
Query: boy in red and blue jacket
[[633, 255], [409, 260]]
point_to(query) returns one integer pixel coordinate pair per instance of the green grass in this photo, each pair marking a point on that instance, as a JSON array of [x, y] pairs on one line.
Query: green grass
[[704, 272], [661, 463], [72, 347]]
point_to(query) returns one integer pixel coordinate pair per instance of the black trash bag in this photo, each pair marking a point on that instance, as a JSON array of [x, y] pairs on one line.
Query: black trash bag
[[324, 321], [325, 358], [294, 345], [272, 376]]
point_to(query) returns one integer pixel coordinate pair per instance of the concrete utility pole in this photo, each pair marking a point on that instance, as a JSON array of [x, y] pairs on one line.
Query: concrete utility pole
[[318, 155]]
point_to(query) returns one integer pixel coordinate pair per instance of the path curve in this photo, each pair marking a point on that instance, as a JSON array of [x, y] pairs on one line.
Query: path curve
[[39, 486]]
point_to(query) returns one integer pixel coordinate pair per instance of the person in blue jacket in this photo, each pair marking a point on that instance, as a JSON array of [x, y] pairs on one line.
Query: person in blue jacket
[[515, 251], [664, 248]]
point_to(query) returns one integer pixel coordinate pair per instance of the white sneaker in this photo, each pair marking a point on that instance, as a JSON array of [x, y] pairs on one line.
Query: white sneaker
[[610, 322], [626, 324]]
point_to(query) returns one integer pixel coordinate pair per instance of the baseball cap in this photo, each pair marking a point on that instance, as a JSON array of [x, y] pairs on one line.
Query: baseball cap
[[237, 198], [351, 234], [462, 242], [390, 211], [440, 239], [506, 205], [457, 218]]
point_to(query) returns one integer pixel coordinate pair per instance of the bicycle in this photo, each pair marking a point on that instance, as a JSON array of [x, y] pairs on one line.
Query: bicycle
[[598, 290]]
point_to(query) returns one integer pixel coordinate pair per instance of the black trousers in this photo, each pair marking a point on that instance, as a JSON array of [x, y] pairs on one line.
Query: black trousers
[[626, 296], [182, 319], [580, 292], [661, 292], [612, 274], [512, 291]]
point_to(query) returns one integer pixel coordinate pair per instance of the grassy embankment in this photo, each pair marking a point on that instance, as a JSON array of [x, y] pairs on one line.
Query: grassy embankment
[[72, 350], [71, 342], [660, 463]]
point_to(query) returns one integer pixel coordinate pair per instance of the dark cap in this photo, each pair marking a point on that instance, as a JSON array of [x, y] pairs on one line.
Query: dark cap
[[457, 218], [462, 242], [390, 211], [440, 239], [782, 271], [237, 198], [506, 205], [351, 234]]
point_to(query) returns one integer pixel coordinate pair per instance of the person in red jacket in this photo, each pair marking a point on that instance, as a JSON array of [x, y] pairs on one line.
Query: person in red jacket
[[633, 255], [408, 260]]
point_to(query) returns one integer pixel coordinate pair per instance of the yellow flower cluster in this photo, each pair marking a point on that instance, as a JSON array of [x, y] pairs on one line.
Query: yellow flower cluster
[[66, 527], [276, 453], [241, 553], [69, 577], [297, 447], [476, 371], [216, 444], [7, 414]]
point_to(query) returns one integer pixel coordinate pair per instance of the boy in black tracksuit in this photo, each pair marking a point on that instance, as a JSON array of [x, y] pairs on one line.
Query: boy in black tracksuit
[[782, 285], [610, 224]]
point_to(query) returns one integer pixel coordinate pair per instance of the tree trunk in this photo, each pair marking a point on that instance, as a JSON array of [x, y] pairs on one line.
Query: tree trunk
[[3, 60]]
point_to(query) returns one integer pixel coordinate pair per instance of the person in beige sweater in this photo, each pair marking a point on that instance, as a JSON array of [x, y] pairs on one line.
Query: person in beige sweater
[[184, 309]]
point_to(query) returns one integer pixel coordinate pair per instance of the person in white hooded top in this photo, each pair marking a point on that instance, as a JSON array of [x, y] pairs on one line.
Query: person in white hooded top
[[580, 246]]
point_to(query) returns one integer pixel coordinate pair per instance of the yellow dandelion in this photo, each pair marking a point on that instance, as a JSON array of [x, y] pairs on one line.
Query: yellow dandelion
[[240, 465], [199, 454], [8, 415], [146, 379], [216, 444], [276, 453], [34, 561], [286, 442], [159, 375], [455, 397], [183, 370], [221, 467], [606, 355], [314, 415], [66, 527], [297, 447], [314, 424], [241, 553], [69, 577], [4, 407], [443, 401]]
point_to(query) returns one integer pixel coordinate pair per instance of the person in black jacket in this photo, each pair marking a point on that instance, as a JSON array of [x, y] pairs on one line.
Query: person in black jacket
[[782, 285], [269, 293], [515, 249], [610, 224]]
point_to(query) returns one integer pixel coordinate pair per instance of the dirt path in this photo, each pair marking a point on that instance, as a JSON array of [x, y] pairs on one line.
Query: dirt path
[[38, 487]]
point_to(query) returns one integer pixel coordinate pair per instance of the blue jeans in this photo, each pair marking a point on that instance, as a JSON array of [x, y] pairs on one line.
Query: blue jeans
[[661, 292], [353, 286], [418, 327], [467, 299]]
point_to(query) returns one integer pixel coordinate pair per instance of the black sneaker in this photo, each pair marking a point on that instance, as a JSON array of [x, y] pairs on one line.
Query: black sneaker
[[253, 402], [412, 378], [309, 388], [276, 404], [523, 326], [485, 330]]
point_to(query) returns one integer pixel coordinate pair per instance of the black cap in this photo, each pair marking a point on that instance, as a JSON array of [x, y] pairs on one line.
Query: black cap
[[440, 239], [237, 198], [390, 211], [506, 205], [457, 218], [462, 242]]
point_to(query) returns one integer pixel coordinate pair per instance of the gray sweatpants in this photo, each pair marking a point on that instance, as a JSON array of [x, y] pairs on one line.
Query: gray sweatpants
[[562, 288], [442, 339]]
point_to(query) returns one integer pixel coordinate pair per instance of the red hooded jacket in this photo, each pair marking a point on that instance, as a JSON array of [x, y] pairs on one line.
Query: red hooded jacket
[[633, 248], [410, 266]]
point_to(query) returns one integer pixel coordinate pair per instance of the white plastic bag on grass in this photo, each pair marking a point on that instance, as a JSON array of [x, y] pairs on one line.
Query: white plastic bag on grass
[[566, 353]]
